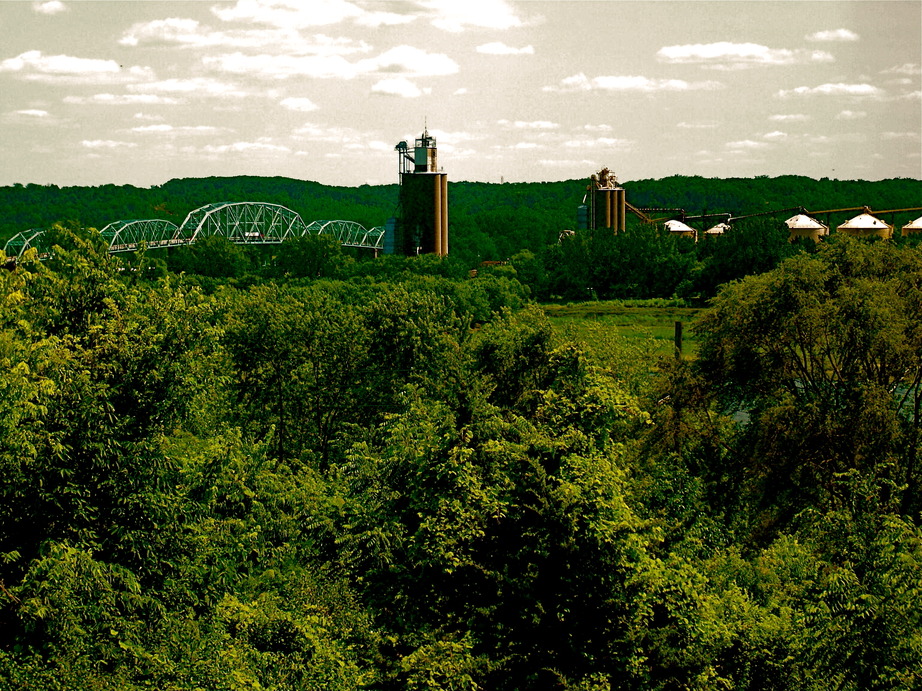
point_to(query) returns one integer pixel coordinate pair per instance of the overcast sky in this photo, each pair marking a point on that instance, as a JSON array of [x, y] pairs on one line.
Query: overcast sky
[[139, 92]]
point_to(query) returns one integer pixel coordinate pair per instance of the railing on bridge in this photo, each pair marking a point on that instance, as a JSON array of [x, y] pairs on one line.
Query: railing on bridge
[[239, 222]]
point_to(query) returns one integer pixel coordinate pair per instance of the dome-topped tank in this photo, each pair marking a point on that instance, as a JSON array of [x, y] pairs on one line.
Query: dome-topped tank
[[865, 225], [804, 226]]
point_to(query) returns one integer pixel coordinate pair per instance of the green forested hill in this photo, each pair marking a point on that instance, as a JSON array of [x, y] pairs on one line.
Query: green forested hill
[[741, 196], [488, 221], [29, 206]]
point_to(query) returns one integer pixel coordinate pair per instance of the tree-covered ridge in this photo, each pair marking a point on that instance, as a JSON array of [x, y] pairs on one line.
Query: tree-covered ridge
[[403, 479], [488, 221], [741, 196]]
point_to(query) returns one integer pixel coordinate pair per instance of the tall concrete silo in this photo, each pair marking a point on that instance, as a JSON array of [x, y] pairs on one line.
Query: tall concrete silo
[[422, 223], [604, 205]]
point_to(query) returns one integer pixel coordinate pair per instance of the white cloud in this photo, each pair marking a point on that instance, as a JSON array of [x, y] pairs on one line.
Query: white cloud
[[565, 163], [169, 129], [282, 66], [404, 60], [708, 125], [499, 48], [598, 128], [728, 55], [792, 117], [49, 7], [833, 35], [302, 105], [245, 147], [519, 146], [34, 65], [121, 100], [173, 30], [448, 15], [580, 82], [460, 92], [598, 142], [397, 86], [196, 86], [914, 136], [851, 115], [457, 15], [378, 19], [839, 89], [107, 144], [410, 62], [328, 134], [746, 145], [289, 13], [529, 125], [836, 139], [775, 136], [910, 69], [33, 113], [189, 33]]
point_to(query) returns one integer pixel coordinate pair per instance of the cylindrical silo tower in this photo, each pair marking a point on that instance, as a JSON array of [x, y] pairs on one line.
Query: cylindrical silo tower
[[606, 202], [422, 227]]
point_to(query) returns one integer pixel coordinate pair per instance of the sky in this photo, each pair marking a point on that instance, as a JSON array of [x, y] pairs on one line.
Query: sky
[[141, 91]]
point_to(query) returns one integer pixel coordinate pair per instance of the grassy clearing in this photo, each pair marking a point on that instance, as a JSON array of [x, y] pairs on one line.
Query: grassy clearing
[[648, 324]]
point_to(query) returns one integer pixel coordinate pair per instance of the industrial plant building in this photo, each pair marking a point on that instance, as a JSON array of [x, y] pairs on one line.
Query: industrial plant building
[[421, 225]]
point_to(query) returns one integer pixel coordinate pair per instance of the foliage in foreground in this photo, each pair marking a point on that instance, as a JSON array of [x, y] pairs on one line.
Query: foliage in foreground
[[401, 483]]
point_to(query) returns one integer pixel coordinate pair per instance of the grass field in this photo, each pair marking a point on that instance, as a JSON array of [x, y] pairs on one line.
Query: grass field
[[648, 323]]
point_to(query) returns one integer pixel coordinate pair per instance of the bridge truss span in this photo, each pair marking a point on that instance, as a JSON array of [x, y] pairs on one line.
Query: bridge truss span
[[19, 243], [128, 236], [349, 233], [241, 223]]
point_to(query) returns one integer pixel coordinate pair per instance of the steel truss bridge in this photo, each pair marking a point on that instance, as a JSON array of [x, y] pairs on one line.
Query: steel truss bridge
[[243, 223]]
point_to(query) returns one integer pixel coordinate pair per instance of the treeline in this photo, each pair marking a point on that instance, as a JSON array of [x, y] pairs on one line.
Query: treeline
[[406, 480], [489, 222]]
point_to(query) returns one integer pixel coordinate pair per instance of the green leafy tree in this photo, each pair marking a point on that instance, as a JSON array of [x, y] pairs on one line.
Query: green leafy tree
[[214, 256], [819, 362], [309, 256], [299, 357]]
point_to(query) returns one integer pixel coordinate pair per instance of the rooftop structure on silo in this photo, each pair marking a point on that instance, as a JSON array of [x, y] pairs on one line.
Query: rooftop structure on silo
[[422, 223]]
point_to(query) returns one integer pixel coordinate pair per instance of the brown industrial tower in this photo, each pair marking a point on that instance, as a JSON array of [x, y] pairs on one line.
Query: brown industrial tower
[[604, 204], [422, 223]]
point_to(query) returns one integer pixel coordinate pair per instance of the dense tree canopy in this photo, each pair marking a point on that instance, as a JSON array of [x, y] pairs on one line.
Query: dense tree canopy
[[312, 472]]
